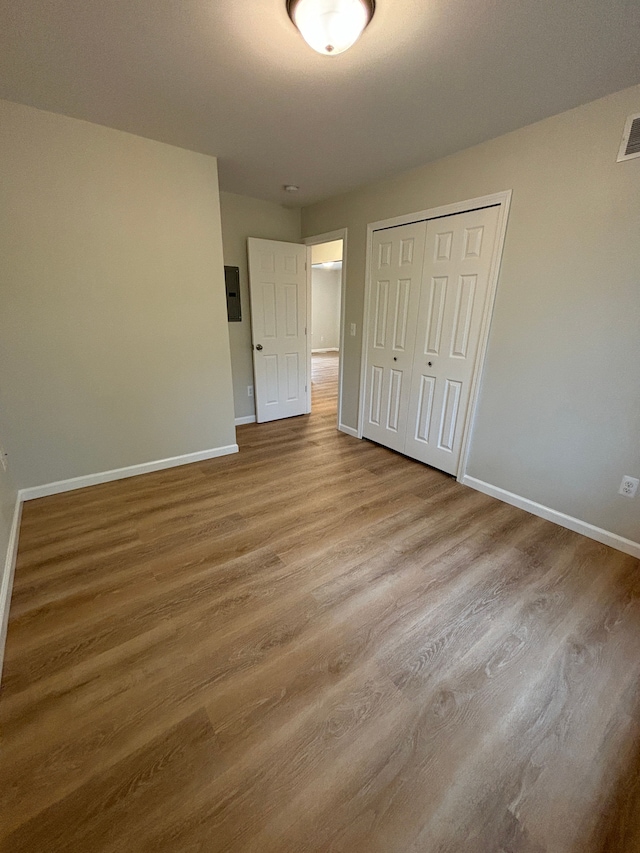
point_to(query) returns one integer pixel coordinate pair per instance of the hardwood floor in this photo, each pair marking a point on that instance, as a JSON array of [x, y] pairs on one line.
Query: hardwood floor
[[316, 645]]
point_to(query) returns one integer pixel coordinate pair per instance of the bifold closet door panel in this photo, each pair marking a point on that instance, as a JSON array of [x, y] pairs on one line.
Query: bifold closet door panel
[[457, 262], [396, 271]]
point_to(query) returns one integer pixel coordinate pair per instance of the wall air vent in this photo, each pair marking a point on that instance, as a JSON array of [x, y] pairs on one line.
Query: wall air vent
[[630, 146]]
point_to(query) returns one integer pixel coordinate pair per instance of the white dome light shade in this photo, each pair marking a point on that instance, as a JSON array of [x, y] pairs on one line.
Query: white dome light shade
[[330, 26]]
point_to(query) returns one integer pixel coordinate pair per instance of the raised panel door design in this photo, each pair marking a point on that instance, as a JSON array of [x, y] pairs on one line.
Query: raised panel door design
[[394, 295], [375, 405], [271, 380], [290, 264], [463, 315], [425, 408], [278, 291], [443, 244], [381, 309], [449, 418], [269, 312], [473, 242], [384, 255], [457, 262], [435, 314], [291, 310], [406, 251], [393, 408], [267, 262], [403, 292], [292, 364]]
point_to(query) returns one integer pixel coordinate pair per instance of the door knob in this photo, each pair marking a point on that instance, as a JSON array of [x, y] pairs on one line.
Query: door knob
[[429, 363], [395, 358], [259, 346]]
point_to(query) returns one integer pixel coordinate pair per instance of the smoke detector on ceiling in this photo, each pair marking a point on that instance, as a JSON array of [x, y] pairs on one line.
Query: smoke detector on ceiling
[[630, 146]]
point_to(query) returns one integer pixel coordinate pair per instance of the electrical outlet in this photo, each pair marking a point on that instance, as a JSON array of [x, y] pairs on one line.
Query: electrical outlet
[[249, 390], [628, 487], [3, 459], [353, 330]]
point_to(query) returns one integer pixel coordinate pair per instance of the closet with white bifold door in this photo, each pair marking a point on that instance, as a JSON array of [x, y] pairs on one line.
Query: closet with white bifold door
[[428, 291]]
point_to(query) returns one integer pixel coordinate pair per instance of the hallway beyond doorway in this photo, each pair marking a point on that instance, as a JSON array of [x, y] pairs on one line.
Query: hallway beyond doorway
[[324, 383]]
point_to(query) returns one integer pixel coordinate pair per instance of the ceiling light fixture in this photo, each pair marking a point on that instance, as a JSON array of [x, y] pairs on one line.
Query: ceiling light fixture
[[290, 188], [331, 26]]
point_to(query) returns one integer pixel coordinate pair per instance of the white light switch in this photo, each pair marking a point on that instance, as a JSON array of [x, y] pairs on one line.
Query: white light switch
[[353, 330]]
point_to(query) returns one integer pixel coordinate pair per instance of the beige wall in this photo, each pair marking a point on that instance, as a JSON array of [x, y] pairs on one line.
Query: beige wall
[[558, 420], [113, 333], [244, 217], [325, 308], [323, 253]]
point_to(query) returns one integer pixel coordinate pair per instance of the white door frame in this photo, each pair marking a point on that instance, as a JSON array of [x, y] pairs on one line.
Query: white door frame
[[340, 234], [503, 199]]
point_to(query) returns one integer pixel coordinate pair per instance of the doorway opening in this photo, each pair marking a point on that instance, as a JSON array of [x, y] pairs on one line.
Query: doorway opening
[[281, 297], [326, 264], [326, 290]]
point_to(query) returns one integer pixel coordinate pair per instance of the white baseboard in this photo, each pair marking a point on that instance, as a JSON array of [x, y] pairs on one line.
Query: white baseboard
[[568, 521], [6, 581], [328, 349], [121, 473], [247, 419], [349, 430]]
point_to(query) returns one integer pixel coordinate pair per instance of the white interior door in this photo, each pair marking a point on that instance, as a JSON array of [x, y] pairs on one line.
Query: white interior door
[[278, 291], [458, 255], [396, 271]]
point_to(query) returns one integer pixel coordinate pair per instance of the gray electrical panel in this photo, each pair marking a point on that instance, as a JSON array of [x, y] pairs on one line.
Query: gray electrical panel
[[232, 283]]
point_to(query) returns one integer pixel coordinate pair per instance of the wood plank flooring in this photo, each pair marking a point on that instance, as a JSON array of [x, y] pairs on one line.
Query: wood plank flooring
[[316, 645]]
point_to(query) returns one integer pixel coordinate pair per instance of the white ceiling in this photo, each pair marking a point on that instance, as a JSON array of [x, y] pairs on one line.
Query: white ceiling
[[234, 78]]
